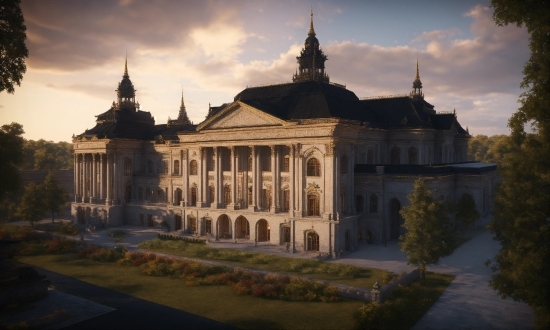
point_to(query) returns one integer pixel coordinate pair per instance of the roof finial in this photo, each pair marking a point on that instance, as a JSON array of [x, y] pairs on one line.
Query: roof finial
[[182, 105], [311, 29], [126, 66]]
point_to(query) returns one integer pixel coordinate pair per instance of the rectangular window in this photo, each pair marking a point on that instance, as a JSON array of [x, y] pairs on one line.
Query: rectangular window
[[286, 234], [127, 167], [286, 164], [208, 226], [165, 166], [286, 200], [150, 222]]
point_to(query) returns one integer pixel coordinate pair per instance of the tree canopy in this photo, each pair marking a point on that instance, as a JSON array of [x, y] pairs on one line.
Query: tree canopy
[[32, 207], [489, 149], [429, 235], [521, 220], [54, 196], [11, 156], [47, 155], [13, 50]]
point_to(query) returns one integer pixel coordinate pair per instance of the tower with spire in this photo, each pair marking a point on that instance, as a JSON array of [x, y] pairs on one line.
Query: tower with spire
[[126, 94], [182, 119], [416, 93], [311, 62]]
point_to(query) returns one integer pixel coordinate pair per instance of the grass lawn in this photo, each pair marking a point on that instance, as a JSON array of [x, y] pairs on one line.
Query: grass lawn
[[340, 273], [220, 303]]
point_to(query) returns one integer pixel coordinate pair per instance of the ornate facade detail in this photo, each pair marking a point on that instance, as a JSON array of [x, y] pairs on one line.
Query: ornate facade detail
[[311, 62]]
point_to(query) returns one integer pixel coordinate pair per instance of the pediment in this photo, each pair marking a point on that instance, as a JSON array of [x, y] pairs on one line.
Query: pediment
[[238, 115]]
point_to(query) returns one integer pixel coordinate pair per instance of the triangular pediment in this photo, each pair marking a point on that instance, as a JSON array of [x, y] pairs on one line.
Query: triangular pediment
[[238, 115]]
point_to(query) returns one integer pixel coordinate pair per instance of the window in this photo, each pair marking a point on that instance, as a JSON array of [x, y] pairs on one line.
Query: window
[[286, 164], [127, 167], [193, 196], [208, 226], [344, 165], [313, 167], [227, 194], [395, 156], [193, 167], [286, 234], [413, 156], [150, 222], [313, 205], [359, 203], [140, 193], [147, 194], [370, 156], [312, 241], [165, 166], [149, 166], [286, 200], [212, 191], [373, 203], [160, 195], [176, 167]]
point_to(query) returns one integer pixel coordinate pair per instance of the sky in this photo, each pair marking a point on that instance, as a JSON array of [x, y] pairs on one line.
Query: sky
[[211, 50]]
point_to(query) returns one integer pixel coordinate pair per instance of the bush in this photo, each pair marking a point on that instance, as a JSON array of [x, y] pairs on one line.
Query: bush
[[68, 228], [117, 233], [61, 245], [98, 253], [16, 232]]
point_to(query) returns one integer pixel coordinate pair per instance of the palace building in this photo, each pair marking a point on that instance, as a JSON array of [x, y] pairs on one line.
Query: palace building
[[305, 164]]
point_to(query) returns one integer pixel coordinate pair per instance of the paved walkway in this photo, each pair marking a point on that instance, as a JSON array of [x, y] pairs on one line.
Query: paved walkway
[[469, 302]]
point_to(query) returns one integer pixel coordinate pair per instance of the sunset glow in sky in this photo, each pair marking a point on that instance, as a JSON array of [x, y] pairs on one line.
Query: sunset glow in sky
[[214, 49]]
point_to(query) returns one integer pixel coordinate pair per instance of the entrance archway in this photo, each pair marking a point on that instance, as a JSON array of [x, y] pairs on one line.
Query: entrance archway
[[395, 219], [224, 226], [262, 229], [312, 241], [242, 228]]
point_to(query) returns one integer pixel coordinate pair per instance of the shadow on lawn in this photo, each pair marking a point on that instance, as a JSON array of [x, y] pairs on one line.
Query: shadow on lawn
[[255, 324]]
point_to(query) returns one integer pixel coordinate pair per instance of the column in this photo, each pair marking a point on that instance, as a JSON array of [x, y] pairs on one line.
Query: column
[[101, 178], [337, 192], [254, 204], [204, 179], [185, 177], [274, 190], [258, 177], [109, 180], [292, 183], [94, 178], [85, 177], [218, 177], [350, 183], [116, 178], [233, 158], [300, 191]]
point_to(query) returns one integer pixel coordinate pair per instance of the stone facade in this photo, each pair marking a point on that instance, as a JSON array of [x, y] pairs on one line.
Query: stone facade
[[306, 164]]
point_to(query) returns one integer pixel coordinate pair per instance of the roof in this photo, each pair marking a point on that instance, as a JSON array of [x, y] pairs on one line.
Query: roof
[[466, 168]]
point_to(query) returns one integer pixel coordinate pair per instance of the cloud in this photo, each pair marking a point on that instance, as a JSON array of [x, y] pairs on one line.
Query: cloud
[[76, 35]]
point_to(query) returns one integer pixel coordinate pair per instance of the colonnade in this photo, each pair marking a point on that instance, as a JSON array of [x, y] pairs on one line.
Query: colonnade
[[94, 178]]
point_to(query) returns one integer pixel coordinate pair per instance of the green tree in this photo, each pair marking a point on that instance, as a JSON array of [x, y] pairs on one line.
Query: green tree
[[429, 234], [521, 221], [492, 149], [11, 156], [32, 207], [54, 196], [13, 50], [47, 155], [467, 211]]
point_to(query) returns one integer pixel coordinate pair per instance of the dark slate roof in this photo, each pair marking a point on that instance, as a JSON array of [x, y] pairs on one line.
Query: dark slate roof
[[132, 124], [312, 99], [437, 169]]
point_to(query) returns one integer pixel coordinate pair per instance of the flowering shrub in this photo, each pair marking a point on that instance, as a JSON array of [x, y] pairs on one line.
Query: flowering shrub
[[98, 253], [60, 245]]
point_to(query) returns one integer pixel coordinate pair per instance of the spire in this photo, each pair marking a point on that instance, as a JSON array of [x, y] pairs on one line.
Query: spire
[[182, 116], [416, 93], [311, 29], [126, 67]]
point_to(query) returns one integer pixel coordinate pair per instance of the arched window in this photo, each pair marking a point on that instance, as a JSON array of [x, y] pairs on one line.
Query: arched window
[[178, 196], [140, 193], [193, 167], [176, 167], [359, 203], [313, 167], [373, 203], [395, 156], [312, 241], [147, 194], [344, 165], [227, 194], [313, 205], [413, 155], [370, 156]]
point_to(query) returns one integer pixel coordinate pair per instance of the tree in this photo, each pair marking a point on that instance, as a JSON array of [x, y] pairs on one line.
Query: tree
[[429, 234], [32, 207], [13, 50], [492, 149], [521, 221], [466, 210], [47, 155], [54, 196], [11, 155]]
